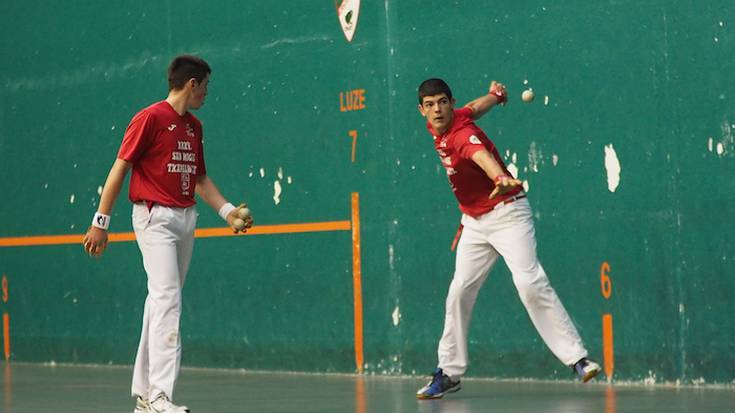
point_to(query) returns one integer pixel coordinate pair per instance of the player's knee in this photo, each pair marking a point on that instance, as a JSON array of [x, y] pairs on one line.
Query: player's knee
[[166, 299], [461, 287], [460, 297], [530, 288], [454, 295]]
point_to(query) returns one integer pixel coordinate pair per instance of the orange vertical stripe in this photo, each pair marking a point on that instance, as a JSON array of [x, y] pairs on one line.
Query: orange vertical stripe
[[357, 280], [6, 335], [607, 344]]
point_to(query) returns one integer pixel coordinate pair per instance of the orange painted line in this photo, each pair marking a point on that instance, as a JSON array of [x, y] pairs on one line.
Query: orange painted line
[[607, 345], [276, 229], [40, 240], [119, 237], [6, 335], [199, 233], [357, 281]]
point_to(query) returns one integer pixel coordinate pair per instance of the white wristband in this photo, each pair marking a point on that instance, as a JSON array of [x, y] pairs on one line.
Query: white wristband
[[101, 221], [225, 210]]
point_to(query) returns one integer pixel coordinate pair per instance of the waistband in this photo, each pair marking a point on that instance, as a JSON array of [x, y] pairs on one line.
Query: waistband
[[515, 197], [151, 204]]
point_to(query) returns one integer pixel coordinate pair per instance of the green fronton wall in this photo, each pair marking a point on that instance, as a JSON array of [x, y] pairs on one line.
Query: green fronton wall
[[643, 86]]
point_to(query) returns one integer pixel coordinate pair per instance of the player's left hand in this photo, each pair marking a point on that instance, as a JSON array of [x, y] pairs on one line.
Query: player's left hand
[[235, 215], [504, 184], [95, 241]]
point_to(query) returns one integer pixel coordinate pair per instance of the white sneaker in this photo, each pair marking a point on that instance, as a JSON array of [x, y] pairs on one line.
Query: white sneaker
[[162, 404], [141, 405]]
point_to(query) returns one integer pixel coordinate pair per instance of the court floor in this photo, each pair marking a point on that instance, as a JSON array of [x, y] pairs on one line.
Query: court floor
[[32, 388]]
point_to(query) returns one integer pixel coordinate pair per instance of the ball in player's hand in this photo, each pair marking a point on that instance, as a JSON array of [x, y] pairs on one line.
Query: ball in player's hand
[[527, 95], [243, 213], [238, 224]]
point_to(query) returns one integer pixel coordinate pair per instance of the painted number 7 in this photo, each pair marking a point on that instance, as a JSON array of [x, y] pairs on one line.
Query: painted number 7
[[353, 133]]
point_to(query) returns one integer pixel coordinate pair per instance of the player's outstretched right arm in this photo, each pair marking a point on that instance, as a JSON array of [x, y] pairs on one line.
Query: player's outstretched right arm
[[494, 171], [95, 240]]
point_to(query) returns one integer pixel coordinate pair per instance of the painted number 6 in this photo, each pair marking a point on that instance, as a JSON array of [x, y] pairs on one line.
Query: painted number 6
[[605, 281]]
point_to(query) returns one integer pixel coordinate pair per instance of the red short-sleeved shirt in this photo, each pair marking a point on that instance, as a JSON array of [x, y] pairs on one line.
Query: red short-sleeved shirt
[[166, 151], [470, 183]]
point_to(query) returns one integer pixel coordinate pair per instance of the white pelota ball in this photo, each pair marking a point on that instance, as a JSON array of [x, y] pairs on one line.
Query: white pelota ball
[[243, 212], [238, 223], [527, 95]]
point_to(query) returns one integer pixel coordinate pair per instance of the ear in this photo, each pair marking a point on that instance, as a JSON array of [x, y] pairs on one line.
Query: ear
[[421, 109], [192, 83]]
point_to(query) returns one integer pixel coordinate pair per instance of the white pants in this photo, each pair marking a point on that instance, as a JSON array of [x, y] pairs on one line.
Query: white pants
[[506, 231], [165, 237]]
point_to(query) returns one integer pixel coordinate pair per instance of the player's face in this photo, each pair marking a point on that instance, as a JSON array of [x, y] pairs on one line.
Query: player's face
[[198, 93], [438, 110]]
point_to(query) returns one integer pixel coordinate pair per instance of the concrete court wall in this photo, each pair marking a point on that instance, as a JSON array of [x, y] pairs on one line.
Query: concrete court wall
[[627, 154]]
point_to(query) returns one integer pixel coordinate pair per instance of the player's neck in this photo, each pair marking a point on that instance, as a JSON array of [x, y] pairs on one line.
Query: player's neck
[[442, 131], [178, 99], [447, 126]]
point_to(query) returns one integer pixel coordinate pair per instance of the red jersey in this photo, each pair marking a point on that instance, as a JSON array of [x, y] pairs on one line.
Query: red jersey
[[470, 183], [166, 151]]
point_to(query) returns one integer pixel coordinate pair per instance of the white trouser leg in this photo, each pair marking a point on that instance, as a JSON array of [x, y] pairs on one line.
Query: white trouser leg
[[165, 239], [515, 240], [140, 371], [185, 247], [475, 256]]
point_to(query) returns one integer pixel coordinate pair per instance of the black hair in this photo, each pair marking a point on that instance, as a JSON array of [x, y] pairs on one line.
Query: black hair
[[432, 87], [185, 67]]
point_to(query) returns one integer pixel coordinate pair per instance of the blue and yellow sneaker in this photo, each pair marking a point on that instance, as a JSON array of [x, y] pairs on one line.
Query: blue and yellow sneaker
[[586, 369], [439, 385]]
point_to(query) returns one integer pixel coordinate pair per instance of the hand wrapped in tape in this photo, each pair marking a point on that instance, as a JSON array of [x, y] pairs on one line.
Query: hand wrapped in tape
[[498, 90], [240, 219]]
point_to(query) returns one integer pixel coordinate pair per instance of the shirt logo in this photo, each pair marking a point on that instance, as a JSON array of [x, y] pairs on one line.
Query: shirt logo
[[189, 131], [474, 139], [185, 183], [172, 127]]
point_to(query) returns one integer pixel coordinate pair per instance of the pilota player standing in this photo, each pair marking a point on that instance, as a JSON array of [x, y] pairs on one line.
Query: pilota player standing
[[496, 221], [163, 147]]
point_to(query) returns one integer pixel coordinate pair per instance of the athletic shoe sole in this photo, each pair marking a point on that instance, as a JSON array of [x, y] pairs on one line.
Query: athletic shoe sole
[[422, 396], [591, 375]]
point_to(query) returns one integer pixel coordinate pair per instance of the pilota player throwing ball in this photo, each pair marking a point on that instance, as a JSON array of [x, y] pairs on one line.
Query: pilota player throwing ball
[[496, 221]]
